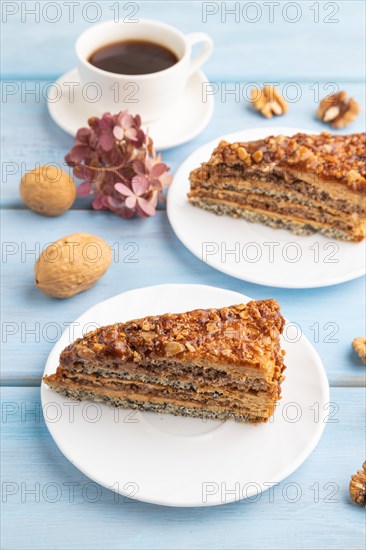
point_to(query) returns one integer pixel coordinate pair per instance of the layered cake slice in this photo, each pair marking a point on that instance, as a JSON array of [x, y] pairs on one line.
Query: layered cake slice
[[215, 363], [304, 183]]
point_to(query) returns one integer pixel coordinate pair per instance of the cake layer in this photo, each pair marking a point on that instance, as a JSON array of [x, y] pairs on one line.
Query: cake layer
[[215, 363], [278, 186], [243, 410], [163, 388], [304, 183], [195, 411], [319, 218], [181, 375], [277, 202], [280, 221]]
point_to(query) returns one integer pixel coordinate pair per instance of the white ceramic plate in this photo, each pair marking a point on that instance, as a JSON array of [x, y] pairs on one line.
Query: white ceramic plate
[[177, 461], [181, 123], [252, 251]]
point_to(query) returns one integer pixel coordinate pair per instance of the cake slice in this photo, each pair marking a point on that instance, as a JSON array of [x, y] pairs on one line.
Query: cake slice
[[305, 183], [214, 363]]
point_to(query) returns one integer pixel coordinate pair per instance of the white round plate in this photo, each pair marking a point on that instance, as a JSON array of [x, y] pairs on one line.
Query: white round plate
[[177, 461], [189, 116], [252, 251]]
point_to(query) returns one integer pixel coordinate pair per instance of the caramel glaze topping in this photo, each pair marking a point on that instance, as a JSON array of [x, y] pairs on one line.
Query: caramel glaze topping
[[239, 335], [330, 157]]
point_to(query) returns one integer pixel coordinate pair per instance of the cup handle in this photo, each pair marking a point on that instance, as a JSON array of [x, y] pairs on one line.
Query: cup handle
[[195, 38]]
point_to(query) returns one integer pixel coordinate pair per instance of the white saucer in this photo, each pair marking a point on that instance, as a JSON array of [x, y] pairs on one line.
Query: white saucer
[[176, 461], [183, 122], [252, 251]]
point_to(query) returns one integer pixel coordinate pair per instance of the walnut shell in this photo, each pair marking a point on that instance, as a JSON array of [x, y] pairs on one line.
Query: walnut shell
[[48, 190], [72, 264]]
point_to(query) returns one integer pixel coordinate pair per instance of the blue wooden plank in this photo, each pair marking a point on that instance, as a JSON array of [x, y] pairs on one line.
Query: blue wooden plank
[[42, 142], [301, 40], [32, 321], [311, 509]]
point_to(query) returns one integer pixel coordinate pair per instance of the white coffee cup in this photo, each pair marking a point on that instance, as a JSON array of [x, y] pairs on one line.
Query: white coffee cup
[[149, 95]]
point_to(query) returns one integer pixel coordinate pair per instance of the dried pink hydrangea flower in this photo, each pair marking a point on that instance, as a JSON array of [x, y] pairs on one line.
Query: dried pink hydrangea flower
[[118, 165]]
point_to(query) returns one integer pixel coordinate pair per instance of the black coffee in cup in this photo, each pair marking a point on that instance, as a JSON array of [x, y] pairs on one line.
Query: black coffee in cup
[[132, 57]]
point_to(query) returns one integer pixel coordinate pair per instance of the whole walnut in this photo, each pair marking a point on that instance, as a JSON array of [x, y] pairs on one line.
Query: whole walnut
[[72, 264], [48, 190]]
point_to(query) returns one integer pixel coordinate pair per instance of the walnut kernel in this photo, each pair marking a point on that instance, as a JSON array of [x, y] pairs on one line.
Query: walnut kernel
[[359, 345], [337, 111], [269, 101], [357, 486]]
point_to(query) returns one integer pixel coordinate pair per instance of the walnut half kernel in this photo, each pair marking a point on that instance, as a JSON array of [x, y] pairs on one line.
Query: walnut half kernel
[[359, 345], [357, 486], [268, 101], [337, 111]]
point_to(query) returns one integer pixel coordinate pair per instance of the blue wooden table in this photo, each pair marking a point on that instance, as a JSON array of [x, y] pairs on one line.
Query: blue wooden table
[[46, 502]]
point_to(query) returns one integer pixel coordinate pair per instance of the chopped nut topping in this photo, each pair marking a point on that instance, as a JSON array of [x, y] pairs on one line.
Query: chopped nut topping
[[211, 327], [299, 154], [257, 156], [172, 348], [337, 111], [242, 153], [190, 348], [136, 357], [357, 486], [304, 153], [243, 315], [147, 336], [240, 329], [269, 101], [355, 179], [359, 345], [327, 156]]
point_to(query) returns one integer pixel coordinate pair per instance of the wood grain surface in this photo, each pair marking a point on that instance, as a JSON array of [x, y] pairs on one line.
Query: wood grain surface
[[323, 49]]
